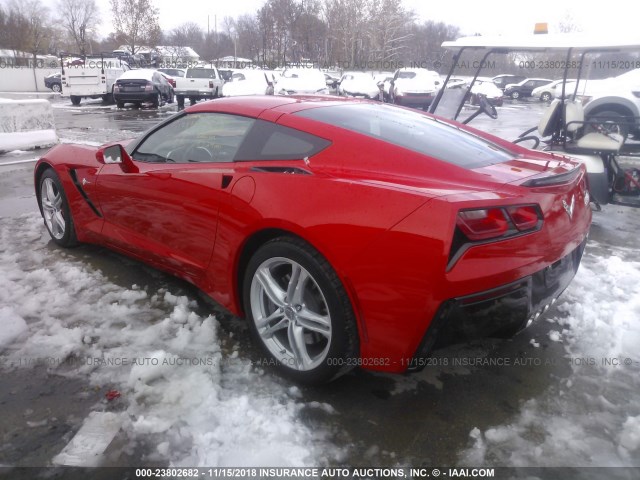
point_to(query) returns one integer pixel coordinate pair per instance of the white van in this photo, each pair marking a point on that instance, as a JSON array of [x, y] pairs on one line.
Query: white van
[[92, 77]]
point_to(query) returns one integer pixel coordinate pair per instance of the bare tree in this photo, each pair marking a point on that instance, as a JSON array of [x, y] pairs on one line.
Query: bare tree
[[136, 21], [388, 31], [347, 20], [79, 18]]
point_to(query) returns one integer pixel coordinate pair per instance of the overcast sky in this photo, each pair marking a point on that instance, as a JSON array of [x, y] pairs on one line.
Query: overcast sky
[[472, 16]]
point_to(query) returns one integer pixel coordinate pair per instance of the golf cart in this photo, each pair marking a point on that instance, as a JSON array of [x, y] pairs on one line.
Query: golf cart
[[601, 144]]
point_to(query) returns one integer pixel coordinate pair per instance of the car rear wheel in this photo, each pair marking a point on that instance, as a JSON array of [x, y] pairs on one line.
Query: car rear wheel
[[157, 101], [119, 104], [545, 97], [299, 312], [55, 210], [56, 87], [515, 95], [75, 100]]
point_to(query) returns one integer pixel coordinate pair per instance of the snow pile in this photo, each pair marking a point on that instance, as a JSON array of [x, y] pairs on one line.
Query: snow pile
[[26, 124], [12, 326], [591, 418], [189, 398]]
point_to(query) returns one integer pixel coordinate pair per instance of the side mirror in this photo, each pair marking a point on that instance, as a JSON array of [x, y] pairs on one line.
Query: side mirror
[[116, 154]]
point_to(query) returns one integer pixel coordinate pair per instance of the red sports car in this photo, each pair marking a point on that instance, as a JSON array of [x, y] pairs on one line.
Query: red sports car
[[348, 233]]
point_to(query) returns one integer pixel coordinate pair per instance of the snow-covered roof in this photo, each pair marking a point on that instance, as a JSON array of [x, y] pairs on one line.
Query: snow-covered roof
[[169, 51], [231, 58], [165, 51], [139, 74]]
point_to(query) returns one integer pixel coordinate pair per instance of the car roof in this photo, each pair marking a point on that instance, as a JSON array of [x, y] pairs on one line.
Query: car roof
[[255, 105], [139, 74]]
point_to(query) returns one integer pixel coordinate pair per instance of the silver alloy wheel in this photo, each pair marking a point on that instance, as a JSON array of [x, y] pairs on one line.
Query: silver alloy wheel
[[51, 199], [290, 313]]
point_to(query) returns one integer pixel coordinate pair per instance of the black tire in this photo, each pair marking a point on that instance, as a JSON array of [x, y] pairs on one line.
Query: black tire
[[171, 97], [56, 87], [157, 101], [65, 235], [515, 95], [180, 100], [193, 100], [323, 295], [545, 97], [120, 104], [75, 100]]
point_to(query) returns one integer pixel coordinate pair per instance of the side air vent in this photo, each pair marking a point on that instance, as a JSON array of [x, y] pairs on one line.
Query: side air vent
[[287, 170], [74, 178]]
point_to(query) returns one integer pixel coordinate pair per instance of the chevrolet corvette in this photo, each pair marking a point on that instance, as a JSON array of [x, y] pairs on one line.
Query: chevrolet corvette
[[348, 233]]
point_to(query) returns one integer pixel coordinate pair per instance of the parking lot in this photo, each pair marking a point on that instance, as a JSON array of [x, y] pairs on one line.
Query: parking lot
[[562, 393]]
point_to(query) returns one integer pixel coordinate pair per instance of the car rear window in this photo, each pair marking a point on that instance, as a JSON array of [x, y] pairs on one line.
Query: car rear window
[[270, 141], [414, 131], [201, 73]]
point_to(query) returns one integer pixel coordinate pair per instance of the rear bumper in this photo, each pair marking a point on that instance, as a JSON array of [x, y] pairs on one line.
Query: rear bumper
[[500, 312], [135, 97], [415, 99], [197, 93]]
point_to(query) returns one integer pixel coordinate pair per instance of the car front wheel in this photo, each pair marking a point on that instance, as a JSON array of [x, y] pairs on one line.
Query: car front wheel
[[56, 87], [55, 210], [515, 95], [299, 312]]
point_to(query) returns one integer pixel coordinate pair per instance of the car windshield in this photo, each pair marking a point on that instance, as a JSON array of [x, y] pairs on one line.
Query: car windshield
[[414, 131]]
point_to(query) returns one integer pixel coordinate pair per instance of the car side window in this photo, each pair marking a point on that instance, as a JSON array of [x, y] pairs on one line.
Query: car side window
[[270, 141], [196, 137]]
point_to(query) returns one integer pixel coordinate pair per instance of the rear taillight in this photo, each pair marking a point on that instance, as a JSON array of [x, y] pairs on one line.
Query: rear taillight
[[116, 88], [148, 87], [487, 223], [524, 217], [210, 83], [483, 224]]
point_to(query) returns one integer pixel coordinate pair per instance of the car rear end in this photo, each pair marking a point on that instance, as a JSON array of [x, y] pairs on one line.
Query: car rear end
[[498, 237], [510, 258], [134, 90]]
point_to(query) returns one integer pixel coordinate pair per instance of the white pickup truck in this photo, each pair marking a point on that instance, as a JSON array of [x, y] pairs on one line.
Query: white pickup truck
[[93, 77], [198, 84]]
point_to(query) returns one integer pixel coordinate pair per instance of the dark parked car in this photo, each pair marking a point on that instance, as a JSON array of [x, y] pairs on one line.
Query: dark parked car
[[502, 81], [53, 82], [140, 86], [525, 87]]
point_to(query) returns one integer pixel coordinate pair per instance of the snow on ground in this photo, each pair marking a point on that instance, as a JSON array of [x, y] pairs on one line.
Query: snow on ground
[[185, 391], [591, 418], [26, 124], [27, 140]]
